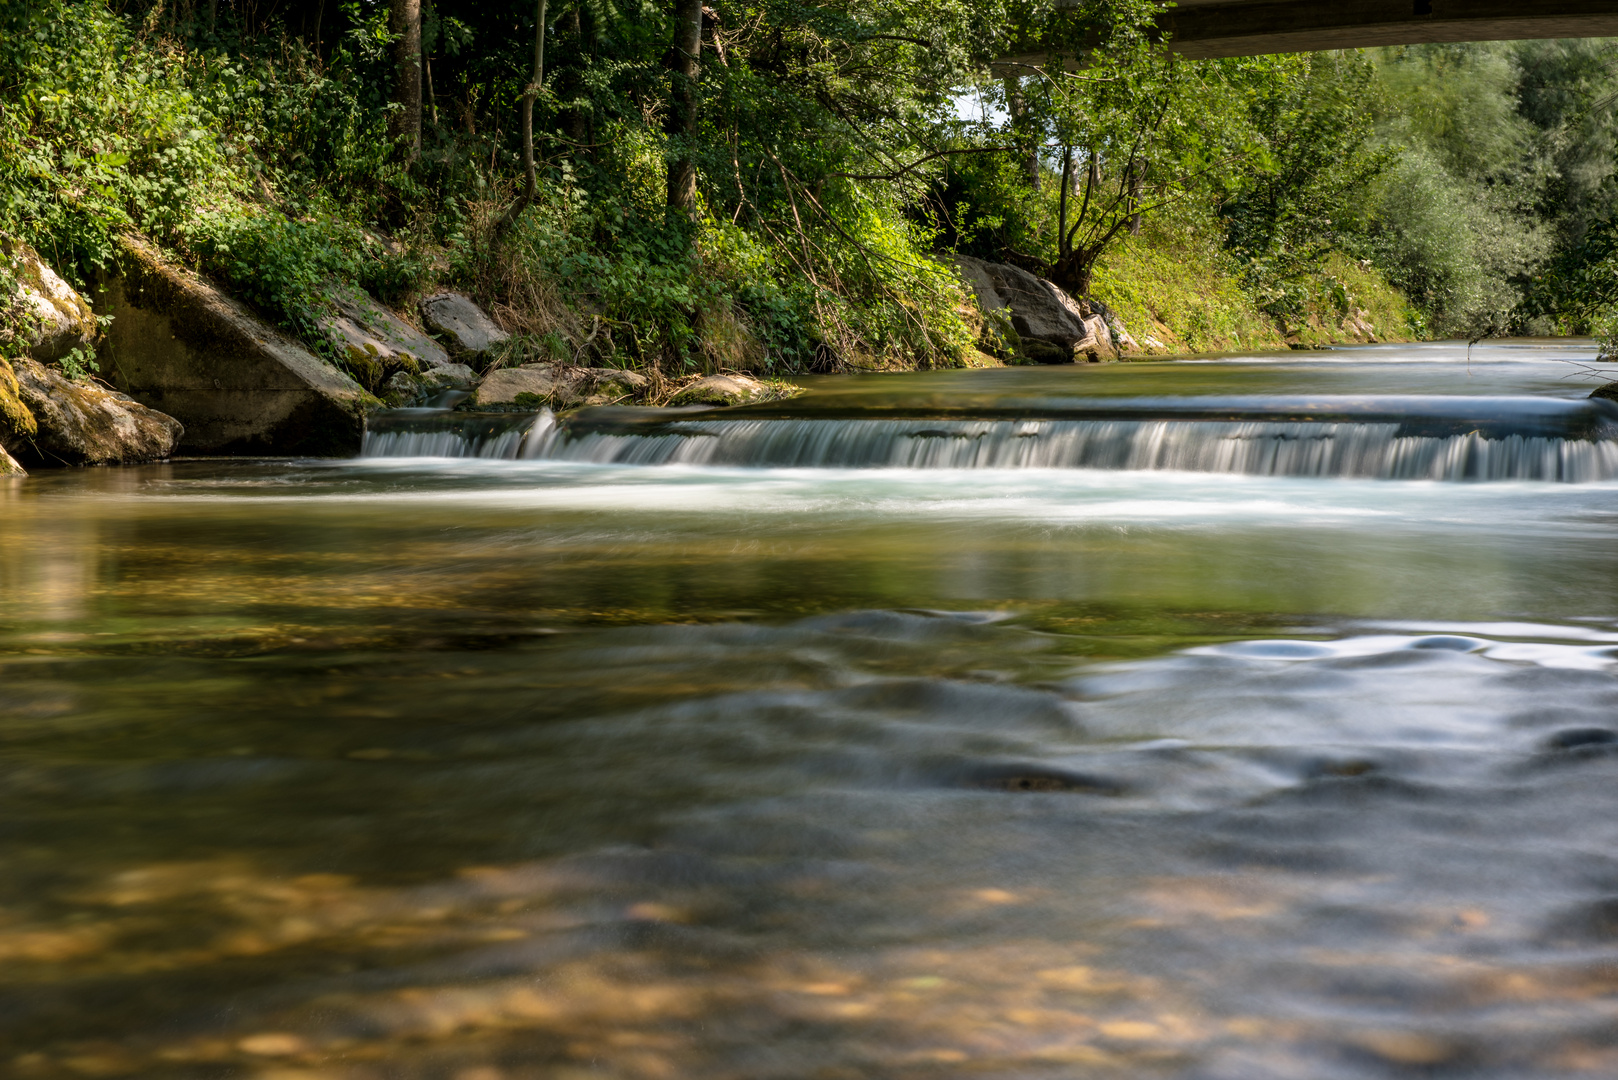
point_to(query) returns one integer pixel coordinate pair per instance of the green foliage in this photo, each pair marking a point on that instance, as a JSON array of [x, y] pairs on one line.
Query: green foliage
[[100, 131], [79, 364], [1306, 195], [1174, 283], [1453, 221], [833, 169]]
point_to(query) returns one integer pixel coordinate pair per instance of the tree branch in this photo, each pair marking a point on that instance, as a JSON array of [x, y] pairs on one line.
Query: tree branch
[[919, 162]]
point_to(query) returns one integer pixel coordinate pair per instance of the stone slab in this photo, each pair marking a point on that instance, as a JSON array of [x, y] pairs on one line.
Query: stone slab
[[371, 333], [461, 323], [238, 385]]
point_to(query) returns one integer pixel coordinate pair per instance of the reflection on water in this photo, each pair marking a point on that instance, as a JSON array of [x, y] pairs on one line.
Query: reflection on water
[[483, 770]]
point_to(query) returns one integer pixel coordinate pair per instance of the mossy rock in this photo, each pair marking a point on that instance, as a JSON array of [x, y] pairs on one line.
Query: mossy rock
[[83, 423], [721, 390], [15, 417], [55, 319]]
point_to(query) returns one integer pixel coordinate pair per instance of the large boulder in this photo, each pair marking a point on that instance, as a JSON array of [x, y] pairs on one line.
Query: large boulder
[[461, 325], [1050, 326], [560, 386], [80, 423], [1001, 334], [54, 318], [238, 385]]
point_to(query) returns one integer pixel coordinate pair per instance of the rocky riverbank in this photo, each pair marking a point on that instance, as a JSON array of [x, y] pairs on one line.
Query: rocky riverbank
[[159, 360]]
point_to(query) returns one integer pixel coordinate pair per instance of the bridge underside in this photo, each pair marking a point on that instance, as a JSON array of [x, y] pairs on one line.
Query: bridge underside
[[1213, 28]]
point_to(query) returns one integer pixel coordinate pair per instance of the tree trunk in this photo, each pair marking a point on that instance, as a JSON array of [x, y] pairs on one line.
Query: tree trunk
[[407, 49], [1137, 185], [432, 99], [685, 61], [529, 97], [1075, 271]]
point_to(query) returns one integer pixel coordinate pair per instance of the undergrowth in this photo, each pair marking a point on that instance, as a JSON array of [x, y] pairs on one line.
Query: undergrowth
[[260, 164]]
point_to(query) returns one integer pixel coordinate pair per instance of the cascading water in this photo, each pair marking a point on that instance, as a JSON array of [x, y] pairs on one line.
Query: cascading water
[[1370, 438], [441, 433]]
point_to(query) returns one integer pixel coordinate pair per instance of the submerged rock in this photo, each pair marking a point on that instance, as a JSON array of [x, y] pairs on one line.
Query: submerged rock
[[237, 384], [377, 340], [721, 390], [1046, 325], [55, 318], [461, 324], [85, 424], [532, 386], [1607, 390]]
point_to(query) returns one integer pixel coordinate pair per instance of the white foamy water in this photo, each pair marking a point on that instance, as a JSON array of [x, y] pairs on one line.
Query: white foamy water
[[1372, 451]]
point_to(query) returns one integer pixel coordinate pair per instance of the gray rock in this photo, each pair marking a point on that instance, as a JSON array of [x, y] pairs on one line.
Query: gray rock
[[9, 466], [238, 385], [1050, 326], [530, 385], [402, 389], [1123, 342], [373, 335], [1001, 337], [56, 318], [557, 385], [1356, 326], [461, 324], [609, 386], [450, 377], [85, 424], [1097, 345], [720, 390]]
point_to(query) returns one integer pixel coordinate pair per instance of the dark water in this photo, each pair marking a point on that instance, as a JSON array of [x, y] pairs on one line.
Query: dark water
[[480, 768]]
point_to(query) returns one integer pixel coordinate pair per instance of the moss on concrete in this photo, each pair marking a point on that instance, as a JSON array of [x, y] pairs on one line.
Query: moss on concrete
[[15, 418]]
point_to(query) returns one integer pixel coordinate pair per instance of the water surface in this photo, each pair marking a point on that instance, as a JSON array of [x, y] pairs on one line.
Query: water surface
[[484, 768]]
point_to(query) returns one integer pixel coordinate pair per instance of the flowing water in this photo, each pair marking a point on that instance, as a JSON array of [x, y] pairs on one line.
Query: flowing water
[[1239, 719]]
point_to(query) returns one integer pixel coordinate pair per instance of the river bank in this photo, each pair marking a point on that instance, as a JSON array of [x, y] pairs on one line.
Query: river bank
[[164, 337]]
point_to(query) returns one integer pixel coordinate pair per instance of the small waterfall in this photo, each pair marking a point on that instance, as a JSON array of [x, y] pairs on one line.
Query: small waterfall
[[1391, 439], [440, 433], [1255, 448]]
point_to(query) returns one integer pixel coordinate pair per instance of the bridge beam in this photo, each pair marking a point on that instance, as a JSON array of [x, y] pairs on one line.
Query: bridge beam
[[1202, 29], [1212, 28]]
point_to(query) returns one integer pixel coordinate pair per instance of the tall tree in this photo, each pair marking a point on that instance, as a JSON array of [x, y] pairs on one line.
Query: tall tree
[[685, 61], [406, 123]]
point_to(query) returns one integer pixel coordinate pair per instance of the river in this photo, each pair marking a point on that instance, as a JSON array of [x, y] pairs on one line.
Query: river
[[1236, 719]]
